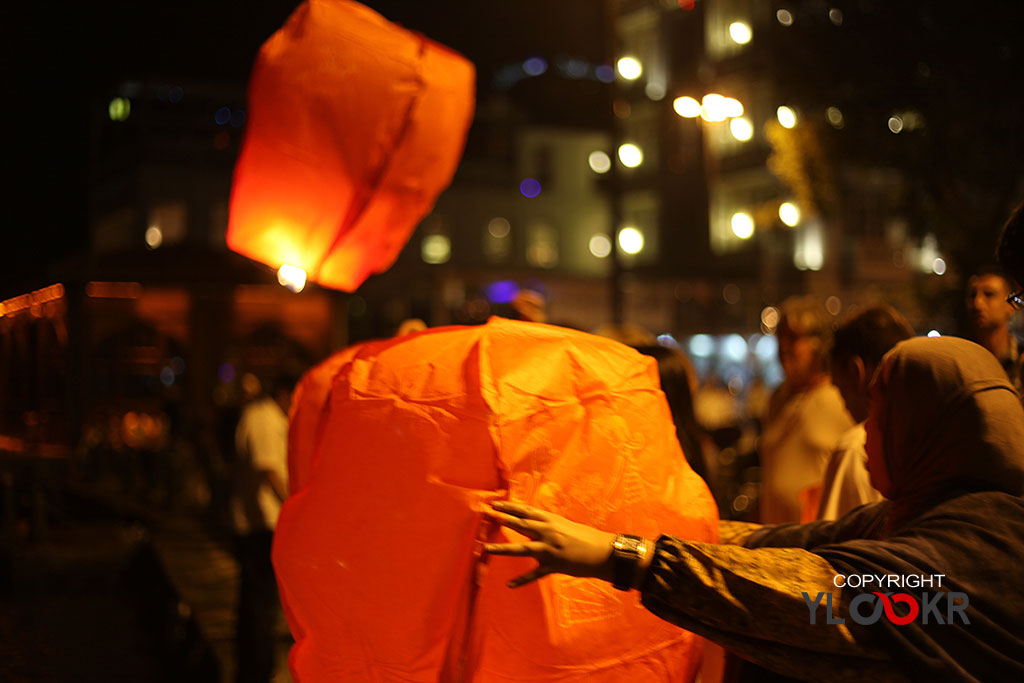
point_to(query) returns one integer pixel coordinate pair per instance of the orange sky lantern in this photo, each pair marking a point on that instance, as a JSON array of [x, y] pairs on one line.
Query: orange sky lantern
[[354, 127], [376, 550]]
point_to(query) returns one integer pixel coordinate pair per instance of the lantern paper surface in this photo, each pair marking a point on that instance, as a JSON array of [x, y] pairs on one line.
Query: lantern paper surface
[[376, 551], [354, 127]]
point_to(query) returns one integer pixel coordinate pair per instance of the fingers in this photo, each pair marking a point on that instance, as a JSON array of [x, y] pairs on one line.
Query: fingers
[[535, 549], [524, 526], [521, 510], [529, 576]]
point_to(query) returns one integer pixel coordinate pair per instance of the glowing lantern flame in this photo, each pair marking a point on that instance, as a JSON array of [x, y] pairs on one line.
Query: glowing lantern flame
[[292, 277]]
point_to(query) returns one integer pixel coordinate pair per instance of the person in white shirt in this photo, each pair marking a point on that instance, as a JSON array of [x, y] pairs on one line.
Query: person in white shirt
[[805, 415], [261, 485], [858, 346]]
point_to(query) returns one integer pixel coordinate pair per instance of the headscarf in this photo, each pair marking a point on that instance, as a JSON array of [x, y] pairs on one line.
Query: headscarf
[[951, 421]]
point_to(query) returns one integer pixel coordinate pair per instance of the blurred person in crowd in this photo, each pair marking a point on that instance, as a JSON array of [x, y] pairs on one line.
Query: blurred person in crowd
[[858, 345], [989, 315], [945, 434], [260, 486], [806, 416], [678, 383], [529, 305], [410, 326]]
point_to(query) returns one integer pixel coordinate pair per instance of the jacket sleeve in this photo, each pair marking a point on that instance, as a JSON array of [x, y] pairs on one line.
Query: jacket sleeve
[[756, 603]]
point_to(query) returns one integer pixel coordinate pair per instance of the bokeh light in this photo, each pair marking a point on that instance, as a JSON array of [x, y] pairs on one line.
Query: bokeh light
[[701, 345], [686, 107], [599, 162], [789, 213], [631, 240], [835, 117], [154, 237], [502, 291], [530, 187], [499, 227], [535, 66], [436, 249], [655, 91], [630, 155], [741, 129], [600, 246], [119, 109], [734, 347], [732, 107], [629, 68], [742, 225], [713, 108], [786, 116], [740, 32]]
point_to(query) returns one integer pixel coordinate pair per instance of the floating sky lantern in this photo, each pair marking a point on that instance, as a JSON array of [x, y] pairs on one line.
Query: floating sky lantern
[[355, 126], [377, 551]]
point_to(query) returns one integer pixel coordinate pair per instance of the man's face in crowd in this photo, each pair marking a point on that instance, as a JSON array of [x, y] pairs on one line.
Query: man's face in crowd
[[986, 302], [798, 355]]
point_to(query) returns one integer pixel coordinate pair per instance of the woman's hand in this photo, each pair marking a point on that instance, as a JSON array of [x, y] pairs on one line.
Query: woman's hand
[[560, 546]]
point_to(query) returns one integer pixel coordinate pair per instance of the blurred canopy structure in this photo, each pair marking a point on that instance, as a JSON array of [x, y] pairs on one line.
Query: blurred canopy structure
[[355, 126], [403, 441]]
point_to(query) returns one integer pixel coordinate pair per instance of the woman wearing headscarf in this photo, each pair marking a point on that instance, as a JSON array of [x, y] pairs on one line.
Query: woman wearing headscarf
[[945, 440]]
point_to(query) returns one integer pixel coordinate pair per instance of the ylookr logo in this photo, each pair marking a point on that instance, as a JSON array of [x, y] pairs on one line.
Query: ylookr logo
[[867, 608]]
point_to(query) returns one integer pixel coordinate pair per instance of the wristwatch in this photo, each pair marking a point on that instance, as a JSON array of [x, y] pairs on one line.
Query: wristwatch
[[627, 551]]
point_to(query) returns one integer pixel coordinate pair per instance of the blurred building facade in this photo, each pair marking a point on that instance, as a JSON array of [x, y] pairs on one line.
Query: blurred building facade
[[700, 219]]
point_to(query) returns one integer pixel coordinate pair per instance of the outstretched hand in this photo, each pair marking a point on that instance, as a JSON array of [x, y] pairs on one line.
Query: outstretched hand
[[558, 545]]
